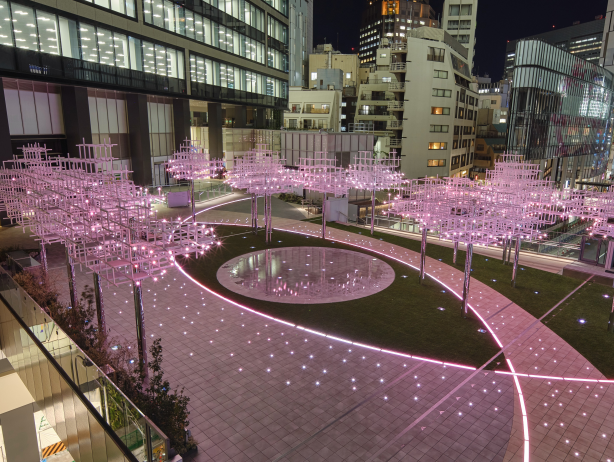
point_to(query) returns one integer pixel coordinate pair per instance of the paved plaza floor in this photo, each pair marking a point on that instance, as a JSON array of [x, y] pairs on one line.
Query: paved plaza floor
[[265, 390]]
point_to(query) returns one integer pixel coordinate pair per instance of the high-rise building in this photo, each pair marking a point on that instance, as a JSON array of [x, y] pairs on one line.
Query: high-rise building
[[133, 71], [459, 19], [391, 19], [583, 40], [301, 40], [560, 109]]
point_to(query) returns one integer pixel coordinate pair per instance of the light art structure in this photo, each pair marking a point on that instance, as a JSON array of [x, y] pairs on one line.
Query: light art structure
[[262, 172], [320, 174], [418, 199], [101, 217], [374, 174], [192, 163], [522, 202]]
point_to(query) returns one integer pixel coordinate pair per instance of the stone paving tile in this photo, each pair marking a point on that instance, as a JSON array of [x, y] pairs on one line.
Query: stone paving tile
[[243, 409]]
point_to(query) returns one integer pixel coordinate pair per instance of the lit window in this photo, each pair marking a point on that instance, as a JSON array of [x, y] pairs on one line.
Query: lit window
[[314, 76], [436, 163], [433, 146]]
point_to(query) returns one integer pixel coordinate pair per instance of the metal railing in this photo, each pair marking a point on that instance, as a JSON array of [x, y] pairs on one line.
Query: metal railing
[[366, 97], [561, 245], [395, 106], [395, 142], [394, 124], [396, 86], [204, 190], [396, 67], [398, 47], [92, 414]]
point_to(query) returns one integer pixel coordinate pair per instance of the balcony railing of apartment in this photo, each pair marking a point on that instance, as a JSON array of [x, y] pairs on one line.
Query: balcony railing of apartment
[[373, 112], [396, 86], [361, 127], [93, 416], [376, 97], [394, 124], [398, 67], [395, 142], [377, 81], [395, 106], [295, 110], [398, 47], [316, 110]]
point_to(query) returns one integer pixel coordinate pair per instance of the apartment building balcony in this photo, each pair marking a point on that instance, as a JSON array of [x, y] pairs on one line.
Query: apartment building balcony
[[399, 47], [395, 106], [394, 125], [397, 87], [398, 67], [316, 110], [376, 97], [396, 143]]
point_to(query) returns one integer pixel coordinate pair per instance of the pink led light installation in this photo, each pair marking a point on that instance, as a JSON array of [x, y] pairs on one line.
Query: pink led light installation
[[262, 172], [102, 218], [374, 174], [192, 163], [320, 173]]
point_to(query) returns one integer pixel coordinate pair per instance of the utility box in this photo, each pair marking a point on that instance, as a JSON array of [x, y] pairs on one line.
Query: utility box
[[337, 209], [178, 199]]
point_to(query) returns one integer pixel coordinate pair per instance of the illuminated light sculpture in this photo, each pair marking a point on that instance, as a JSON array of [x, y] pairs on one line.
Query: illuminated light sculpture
[[374, 174], [192, 163], [100, 216], [320, 174], [262, 172], [415, 200], [523, 203]]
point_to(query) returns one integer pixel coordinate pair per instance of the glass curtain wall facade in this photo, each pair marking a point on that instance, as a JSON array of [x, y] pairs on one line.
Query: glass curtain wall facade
[[235, 26], [212, 79], [561, 106]]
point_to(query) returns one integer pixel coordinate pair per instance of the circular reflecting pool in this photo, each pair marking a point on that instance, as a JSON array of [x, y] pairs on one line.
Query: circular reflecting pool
[[305, 275]]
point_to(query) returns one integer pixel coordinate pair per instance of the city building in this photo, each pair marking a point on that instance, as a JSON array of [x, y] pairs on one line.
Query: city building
[[436, 107], [391, 19], [493, 111], [376, 99], [325, 57], [581, 39], [301, 40], [484, 159], [560, 109], [314, 109], [137, 72], [459, 20]]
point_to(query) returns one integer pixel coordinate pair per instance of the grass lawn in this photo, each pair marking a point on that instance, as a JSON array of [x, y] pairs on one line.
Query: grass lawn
[[404, 317], [590, 338], [551, 288]]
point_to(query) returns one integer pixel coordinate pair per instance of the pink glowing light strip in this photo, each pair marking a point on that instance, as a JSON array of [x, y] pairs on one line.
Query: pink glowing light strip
[[523, 410], [551, 377], [418, 358]]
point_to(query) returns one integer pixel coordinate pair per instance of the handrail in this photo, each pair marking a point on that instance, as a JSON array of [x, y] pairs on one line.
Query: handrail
[[7, 284]]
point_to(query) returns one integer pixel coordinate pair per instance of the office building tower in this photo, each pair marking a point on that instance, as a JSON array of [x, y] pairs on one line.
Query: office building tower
[[133, 71], [391, 19], [301, 40], [560, 110], [459, 20], [581, 39]]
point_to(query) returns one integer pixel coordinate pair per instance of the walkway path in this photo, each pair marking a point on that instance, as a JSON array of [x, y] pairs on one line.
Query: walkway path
[[264, 390]]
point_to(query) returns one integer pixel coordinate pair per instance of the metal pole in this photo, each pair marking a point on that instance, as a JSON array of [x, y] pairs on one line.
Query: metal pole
[[102, 325], [324, 217], [43, 257], [193, 204], [139, 315], [423, 254], [254, 213], [504, 249], [270, 218], [509, 251], [516, 255], [372, 211], [468, 259], [455, 253], [266, 218], [72, 287]]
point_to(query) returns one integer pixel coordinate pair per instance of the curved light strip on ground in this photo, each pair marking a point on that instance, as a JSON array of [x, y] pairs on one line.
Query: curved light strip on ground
[[525, 424]]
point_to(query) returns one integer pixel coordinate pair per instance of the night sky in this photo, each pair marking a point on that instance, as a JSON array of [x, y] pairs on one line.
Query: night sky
[[498, 21]]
